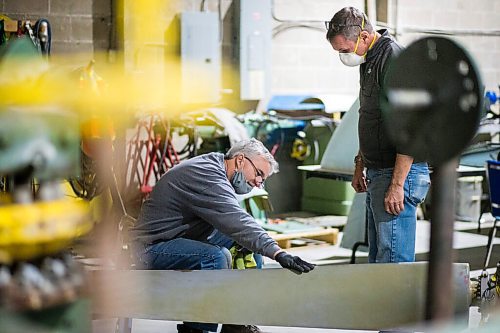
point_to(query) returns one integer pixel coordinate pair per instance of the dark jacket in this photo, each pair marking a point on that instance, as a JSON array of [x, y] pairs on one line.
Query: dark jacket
[[376, 149]]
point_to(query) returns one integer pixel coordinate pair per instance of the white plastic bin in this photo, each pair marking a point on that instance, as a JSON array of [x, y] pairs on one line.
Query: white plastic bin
[[468, 198]]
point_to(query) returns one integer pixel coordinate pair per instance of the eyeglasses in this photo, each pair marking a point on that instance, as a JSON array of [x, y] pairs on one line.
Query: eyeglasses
[[258, 173], [337, 27]]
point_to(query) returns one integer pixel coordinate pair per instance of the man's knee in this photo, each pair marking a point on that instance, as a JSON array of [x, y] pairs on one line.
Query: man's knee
[[220, 258], [227, 258]]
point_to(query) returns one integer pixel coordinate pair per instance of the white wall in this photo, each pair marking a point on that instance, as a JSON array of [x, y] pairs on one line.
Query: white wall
[[459, 15], [303, 60]]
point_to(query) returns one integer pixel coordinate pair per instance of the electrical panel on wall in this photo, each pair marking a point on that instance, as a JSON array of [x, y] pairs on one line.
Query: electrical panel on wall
[[253, 24], [200, 57]]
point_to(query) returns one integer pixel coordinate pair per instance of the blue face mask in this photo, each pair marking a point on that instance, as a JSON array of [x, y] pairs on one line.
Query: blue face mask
[[240, 183]]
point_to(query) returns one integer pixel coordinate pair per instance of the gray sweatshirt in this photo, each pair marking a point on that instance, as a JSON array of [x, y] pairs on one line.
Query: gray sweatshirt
[[192, 199]]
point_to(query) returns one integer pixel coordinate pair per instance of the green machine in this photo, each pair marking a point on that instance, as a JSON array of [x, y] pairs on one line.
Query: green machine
[[332, 195]]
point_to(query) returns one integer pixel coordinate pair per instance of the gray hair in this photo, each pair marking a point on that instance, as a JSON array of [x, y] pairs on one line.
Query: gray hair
[[347, 22], [253, 148]]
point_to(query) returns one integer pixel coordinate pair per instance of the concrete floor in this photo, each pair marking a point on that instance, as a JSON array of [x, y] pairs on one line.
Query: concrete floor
[[157, 326], [470, 247]]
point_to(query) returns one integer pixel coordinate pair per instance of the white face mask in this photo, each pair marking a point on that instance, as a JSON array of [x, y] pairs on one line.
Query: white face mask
[[351, 59]]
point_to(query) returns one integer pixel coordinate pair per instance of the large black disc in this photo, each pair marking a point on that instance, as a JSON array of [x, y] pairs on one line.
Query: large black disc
[[432, 100]]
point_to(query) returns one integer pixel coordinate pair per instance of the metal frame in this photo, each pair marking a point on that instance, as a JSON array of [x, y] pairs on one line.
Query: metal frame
[[362, 296]]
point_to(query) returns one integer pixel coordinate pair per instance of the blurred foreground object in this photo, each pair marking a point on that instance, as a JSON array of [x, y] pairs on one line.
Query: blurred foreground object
[[432, 101], [41, 285], [38, 223]]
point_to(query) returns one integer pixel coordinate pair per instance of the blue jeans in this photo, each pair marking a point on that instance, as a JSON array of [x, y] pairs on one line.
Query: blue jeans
[[391, 238], [182, 253]]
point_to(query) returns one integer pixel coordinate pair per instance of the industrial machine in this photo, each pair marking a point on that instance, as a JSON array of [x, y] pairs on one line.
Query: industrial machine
[[41, 285]]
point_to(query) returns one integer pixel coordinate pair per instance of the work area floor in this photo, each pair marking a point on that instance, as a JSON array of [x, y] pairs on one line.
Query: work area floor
[[162, 326], [470, 247]]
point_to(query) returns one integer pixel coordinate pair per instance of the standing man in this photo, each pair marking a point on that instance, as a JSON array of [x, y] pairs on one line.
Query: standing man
[[193, 216], [394, 181]]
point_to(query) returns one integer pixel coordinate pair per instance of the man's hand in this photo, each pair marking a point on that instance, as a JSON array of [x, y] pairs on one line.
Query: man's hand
[[293, 263], [394, 202], [359, 180]]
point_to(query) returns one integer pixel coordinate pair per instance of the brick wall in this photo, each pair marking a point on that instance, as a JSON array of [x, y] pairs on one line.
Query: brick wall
[[78, 26], [459, 15], [304, 62]]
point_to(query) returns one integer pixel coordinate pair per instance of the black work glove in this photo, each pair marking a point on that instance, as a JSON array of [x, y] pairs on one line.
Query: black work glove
[[293, 263]]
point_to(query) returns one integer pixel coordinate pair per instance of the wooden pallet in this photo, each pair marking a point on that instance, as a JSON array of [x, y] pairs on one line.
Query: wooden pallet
[[328, 235]]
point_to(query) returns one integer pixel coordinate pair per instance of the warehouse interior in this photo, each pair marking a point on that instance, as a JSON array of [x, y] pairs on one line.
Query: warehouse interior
[[100, 99]]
